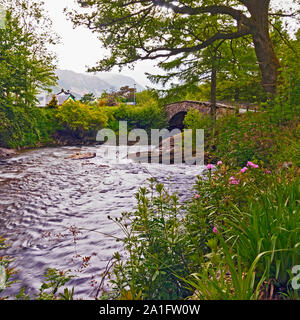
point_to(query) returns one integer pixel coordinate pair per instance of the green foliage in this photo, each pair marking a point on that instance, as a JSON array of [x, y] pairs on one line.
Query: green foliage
[[53, 103], [185, 52], [158, 250], [54, 280], [229, 241], [224, 278], [196, 120], [81, 118], [257, 238], [144, 116], [270, 224], [88, 97], [272, 137], [26, 127], [146, 97], [26, 67], [4, 263], [287, 100]]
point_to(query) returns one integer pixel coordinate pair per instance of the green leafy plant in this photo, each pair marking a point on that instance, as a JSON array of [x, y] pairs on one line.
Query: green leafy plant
[[54, 280], [272, 223], [4, 263], [81, 118], [157, 246], [53, 103], [27, 127]]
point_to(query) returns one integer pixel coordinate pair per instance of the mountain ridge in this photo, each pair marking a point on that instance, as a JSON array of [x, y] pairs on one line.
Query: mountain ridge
[[81, 83]]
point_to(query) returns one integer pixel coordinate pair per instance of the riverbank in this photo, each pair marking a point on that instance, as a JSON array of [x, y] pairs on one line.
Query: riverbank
[[189, 244], [72, 124]]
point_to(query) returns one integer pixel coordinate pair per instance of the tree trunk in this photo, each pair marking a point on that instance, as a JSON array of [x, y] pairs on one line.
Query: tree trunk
[[213, 93], [267, 59]]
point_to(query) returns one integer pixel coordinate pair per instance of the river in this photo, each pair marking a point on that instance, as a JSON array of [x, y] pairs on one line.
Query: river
[[44, 197]]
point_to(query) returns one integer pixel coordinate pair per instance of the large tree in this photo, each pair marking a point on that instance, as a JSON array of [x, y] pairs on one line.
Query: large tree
[[161, 29], [26, 65]]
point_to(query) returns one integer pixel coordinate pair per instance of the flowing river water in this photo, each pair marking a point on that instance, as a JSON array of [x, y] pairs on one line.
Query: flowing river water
[[44, 197]]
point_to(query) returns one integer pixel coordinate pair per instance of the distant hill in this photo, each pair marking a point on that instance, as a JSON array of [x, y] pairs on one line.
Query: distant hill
[[80, 83]]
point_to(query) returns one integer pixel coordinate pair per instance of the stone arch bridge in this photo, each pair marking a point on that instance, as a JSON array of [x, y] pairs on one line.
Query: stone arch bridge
[[177, 111]]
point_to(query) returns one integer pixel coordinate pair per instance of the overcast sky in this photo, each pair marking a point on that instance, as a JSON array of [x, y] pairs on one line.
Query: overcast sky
[[81, 48]]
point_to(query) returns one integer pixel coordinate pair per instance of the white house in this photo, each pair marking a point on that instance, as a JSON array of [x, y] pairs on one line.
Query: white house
[[62, 96]]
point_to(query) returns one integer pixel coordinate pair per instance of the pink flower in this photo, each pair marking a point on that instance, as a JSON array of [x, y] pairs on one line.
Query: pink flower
[[196, 196], [209, 166], [232, 180], [252, 165], [215, 230], [219, 163], [268, 171], [244, 170]]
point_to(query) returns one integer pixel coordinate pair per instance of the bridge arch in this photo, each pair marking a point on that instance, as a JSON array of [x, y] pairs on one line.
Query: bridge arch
[[177, 111]]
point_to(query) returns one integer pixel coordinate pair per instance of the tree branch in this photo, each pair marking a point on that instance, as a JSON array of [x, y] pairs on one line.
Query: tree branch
[[213, 10], [154, 53]]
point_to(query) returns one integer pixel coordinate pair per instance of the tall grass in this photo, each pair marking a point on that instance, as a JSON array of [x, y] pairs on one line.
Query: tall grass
[[271, 224], [260, 247]]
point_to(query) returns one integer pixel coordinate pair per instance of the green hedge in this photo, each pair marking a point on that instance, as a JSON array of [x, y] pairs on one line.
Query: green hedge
[[146, 117], [26, 127]]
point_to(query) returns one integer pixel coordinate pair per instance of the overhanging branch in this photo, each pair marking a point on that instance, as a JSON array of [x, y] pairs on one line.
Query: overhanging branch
[[203, 45]]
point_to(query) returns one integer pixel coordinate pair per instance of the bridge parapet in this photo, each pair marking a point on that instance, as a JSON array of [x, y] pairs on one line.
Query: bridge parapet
[[203, 106]]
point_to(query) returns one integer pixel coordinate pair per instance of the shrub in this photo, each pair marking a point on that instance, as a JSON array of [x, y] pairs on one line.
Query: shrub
[[236, 237], [157, 247], [263, 136], [196, 120], [53, 103], [146, 117], [26, 127], [81, 118], [256, 235], [270, 224], [146, 97]]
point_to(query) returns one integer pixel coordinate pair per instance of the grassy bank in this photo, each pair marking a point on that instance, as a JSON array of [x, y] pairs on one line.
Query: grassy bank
[[269, 136]]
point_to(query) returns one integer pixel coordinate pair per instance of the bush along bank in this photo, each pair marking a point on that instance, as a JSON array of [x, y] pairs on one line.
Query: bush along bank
[[73, 123], [22, 127]]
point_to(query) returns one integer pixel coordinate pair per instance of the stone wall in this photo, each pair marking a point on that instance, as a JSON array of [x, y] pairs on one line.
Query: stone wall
[[203, 107]]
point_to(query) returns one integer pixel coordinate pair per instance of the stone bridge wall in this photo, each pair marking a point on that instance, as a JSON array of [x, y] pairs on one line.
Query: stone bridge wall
[[203, 107]]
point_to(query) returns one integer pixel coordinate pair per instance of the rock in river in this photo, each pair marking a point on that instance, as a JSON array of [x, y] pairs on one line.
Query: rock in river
[[81, 156], [5, 153]]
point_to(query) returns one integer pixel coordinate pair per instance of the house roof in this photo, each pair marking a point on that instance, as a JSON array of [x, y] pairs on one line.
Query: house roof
[[62, 96]]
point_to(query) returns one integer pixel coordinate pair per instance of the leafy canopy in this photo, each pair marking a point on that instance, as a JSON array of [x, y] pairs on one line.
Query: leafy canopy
[[26, 65], [178, 31]]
